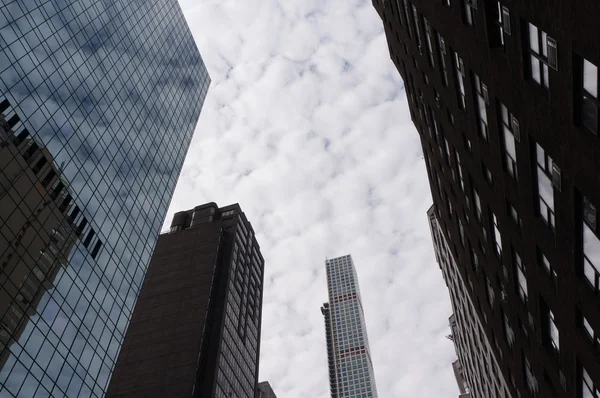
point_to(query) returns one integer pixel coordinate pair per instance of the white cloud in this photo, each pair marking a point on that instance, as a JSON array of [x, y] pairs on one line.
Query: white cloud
[[306, 125]]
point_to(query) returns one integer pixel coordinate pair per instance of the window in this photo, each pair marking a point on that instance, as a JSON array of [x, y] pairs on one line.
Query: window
[[416, 19], [588, 389], [511, 135], [545, 186], [521, 279], [509, 335], [515, 215], [501, 27], [407, 12], [542, 55], [399, 7], [497, 238], [532, 383], [469, 7], [459, 170], [543, 261], [551, 331], [591, 244], [459, 68], [429, 39], [477, 202], [442, 54], [589, 96], [590, 332], [483, 100]]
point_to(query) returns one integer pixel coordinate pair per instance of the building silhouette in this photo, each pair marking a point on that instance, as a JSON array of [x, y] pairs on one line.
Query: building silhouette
[[348, 353], [476, 361], [98, 104], [504, 96], [195, 330], [264, 390]]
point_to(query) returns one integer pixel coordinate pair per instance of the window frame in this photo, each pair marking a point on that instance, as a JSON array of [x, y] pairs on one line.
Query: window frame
[[541, 57], [587, 97]]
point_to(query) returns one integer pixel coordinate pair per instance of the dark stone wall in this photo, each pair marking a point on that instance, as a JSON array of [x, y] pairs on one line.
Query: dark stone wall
[[548, 117]]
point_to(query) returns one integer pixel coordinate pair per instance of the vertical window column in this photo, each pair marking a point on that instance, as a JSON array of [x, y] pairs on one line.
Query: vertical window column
[[511, 135], [545, 186], [483, 99], [460, 73]]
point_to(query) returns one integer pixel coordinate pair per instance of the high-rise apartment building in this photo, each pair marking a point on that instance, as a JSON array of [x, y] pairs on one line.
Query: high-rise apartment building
[[349, 357], [477, 371], [504, 95], [98, 103], [195, 330], [264, 390]]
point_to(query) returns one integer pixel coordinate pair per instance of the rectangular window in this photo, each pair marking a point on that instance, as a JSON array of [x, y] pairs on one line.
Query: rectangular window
[[442, 57], [429, 40], [459, 170], [542, 55], [589, 96], [508, 332], [511, 135], [407, 14], [552, 334], [501, 26], [483, 100], [588, 388], [469, 7], [532, 383], [460, 73], [416, 19], [545, 186], [497, 237], [477, 202], [543, 261], [521, 279], [591, 244], [399, 8]]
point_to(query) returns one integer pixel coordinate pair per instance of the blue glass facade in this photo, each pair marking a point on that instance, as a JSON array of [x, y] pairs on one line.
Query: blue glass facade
[[99, 100], [349, 356]]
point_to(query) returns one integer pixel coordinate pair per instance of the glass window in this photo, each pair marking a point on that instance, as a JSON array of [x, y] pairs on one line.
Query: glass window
[[538, 56], [545, 188], [589, 96], [521, 278], [459, 69], [482, 100], [588, 388], [508, 124]]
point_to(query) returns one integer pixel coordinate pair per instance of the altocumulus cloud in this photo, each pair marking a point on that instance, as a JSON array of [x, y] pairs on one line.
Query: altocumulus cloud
[[306, 125]]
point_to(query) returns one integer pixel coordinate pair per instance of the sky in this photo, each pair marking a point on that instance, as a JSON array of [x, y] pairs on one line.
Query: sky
[[306, 126]]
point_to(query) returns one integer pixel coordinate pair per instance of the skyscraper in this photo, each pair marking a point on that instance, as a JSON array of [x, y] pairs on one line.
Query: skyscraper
[[504, 95], [264, 390], [98, 103], [195, 330], [349, 357], [476, 367]]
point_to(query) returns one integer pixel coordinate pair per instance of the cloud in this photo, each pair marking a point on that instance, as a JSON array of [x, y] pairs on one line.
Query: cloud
[[306, 125]]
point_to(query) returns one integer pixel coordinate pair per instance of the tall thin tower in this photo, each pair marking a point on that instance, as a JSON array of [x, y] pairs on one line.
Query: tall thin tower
[[350, 366]]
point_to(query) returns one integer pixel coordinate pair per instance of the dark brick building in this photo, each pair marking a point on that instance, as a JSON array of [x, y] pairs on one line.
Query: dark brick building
[[195, 330], [504, 95]]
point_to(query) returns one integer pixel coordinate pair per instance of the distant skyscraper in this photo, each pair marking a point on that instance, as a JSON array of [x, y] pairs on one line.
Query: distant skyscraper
[[195, 330], [98, 104], [477, 371], [349, 357], [264, 390]]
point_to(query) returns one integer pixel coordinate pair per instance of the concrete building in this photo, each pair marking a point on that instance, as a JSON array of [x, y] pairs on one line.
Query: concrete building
[[504, 96], [349, 356], [195, 330]]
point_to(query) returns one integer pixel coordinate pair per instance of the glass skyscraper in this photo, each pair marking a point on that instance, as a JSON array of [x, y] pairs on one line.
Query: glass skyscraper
[[98, 103], [350, 365]]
